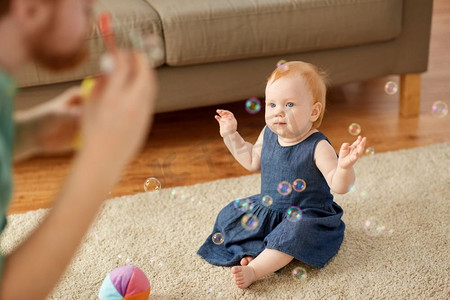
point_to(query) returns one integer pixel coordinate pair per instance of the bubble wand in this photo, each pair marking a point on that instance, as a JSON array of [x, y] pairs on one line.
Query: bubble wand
[[152, 45]]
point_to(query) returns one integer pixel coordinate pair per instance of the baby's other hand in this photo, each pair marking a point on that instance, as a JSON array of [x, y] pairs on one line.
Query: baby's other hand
[[349, 154], [227, 122]]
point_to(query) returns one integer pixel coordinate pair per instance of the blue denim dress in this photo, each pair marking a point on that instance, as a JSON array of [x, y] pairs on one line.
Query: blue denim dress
[[305, 224]]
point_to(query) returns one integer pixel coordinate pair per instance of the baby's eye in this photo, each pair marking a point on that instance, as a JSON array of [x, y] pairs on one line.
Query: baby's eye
[[290, 104], [272, 105]]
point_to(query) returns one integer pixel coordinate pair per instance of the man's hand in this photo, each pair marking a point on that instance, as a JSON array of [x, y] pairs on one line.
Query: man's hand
[[49, 127], [227, 122]]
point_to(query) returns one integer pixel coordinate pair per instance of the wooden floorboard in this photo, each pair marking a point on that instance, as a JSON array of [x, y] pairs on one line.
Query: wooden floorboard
[[185, 148]]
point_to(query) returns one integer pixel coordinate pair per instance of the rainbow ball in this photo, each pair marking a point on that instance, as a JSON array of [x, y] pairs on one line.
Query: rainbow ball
[[127, 283]]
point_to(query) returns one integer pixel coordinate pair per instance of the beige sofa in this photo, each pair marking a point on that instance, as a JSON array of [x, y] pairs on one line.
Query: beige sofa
[[219, 51]]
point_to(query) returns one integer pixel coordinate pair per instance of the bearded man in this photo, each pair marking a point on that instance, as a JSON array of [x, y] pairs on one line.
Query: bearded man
[[52, 33]]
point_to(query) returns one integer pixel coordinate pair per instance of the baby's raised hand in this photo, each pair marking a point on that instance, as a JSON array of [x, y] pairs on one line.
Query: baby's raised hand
[[349, 154], [227, 122]]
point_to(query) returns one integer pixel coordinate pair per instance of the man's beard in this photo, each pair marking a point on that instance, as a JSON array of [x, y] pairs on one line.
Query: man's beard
[[59, 62]]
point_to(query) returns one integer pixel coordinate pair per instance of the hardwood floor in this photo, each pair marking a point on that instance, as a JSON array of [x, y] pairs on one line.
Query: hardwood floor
[[185, 148]]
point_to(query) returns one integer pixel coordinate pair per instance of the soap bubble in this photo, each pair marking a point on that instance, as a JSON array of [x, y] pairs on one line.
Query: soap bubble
[[299, 273], [214, 294], [249, 221], [373, 226], [294, 214], [439, 109], [281, 65], [152, 45], [299, 185], [284, 188], [152, 184], [267, 200], [174, 193], [243, 205], [358, 189], [354, 129], [370, 151], [391, 88], [253, 105], [217, 238]]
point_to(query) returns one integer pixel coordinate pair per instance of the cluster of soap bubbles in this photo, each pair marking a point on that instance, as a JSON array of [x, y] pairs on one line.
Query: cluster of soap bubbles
[[180, 193], [157, 261], [152, 184], [355, 129], [374, 227], [253, 104], [249, 221], [439, 109], [299, 273], [285, 188], [243, 204], [123, 258]]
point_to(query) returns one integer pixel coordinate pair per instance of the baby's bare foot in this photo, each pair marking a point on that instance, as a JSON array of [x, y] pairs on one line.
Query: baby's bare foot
[[246, 260], [243, 276]]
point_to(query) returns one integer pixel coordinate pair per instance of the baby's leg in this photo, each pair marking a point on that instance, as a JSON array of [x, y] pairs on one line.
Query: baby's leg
[[269, 261]]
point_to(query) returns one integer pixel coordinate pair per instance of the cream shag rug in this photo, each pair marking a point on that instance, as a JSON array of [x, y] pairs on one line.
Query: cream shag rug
[[402, 197]]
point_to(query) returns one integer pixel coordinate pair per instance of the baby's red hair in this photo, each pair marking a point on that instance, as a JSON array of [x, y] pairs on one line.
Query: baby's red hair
[[315, 79]]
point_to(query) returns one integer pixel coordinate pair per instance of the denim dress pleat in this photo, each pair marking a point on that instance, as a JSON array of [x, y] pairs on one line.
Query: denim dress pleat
[[305, 224]]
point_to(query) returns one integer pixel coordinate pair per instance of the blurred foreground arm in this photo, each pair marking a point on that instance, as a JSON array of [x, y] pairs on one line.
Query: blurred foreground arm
[[115, 122]]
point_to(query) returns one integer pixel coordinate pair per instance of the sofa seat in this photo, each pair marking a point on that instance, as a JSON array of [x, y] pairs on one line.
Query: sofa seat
[[204, 31]]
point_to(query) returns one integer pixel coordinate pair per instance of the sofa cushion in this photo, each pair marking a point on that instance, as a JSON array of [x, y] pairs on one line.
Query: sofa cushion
[[130, 15], [201, 31]]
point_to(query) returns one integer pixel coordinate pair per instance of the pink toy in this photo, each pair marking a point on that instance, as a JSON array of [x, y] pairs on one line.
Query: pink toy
[[127, 283]]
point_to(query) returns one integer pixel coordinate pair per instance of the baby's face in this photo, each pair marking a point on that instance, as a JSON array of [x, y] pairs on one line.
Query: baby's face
[[289, 107]]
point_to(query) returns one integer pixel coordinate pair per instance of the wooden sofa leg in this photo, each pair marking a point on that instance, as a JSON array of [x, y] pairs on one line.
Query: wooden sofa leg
[[410, 95]]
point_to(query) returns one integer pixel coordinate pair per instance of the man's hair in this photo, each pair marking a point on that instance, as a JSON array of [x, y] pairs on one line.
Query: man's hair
[[315, 78], [4, 7]]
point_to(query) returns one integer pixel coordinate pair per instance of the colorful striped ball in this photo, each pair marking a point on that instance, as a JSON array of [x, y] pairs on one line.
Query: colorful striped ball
[[125, 283]]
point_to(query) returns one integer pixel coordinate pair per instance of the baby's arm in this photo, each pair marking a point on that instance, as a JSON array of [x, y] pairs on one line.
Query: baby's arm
[[339, 173], [248, 155]]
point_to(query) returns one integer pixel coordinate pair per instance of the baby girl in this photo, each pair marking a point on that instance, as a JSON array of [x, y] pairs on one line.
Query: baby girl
[[294, 216]]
